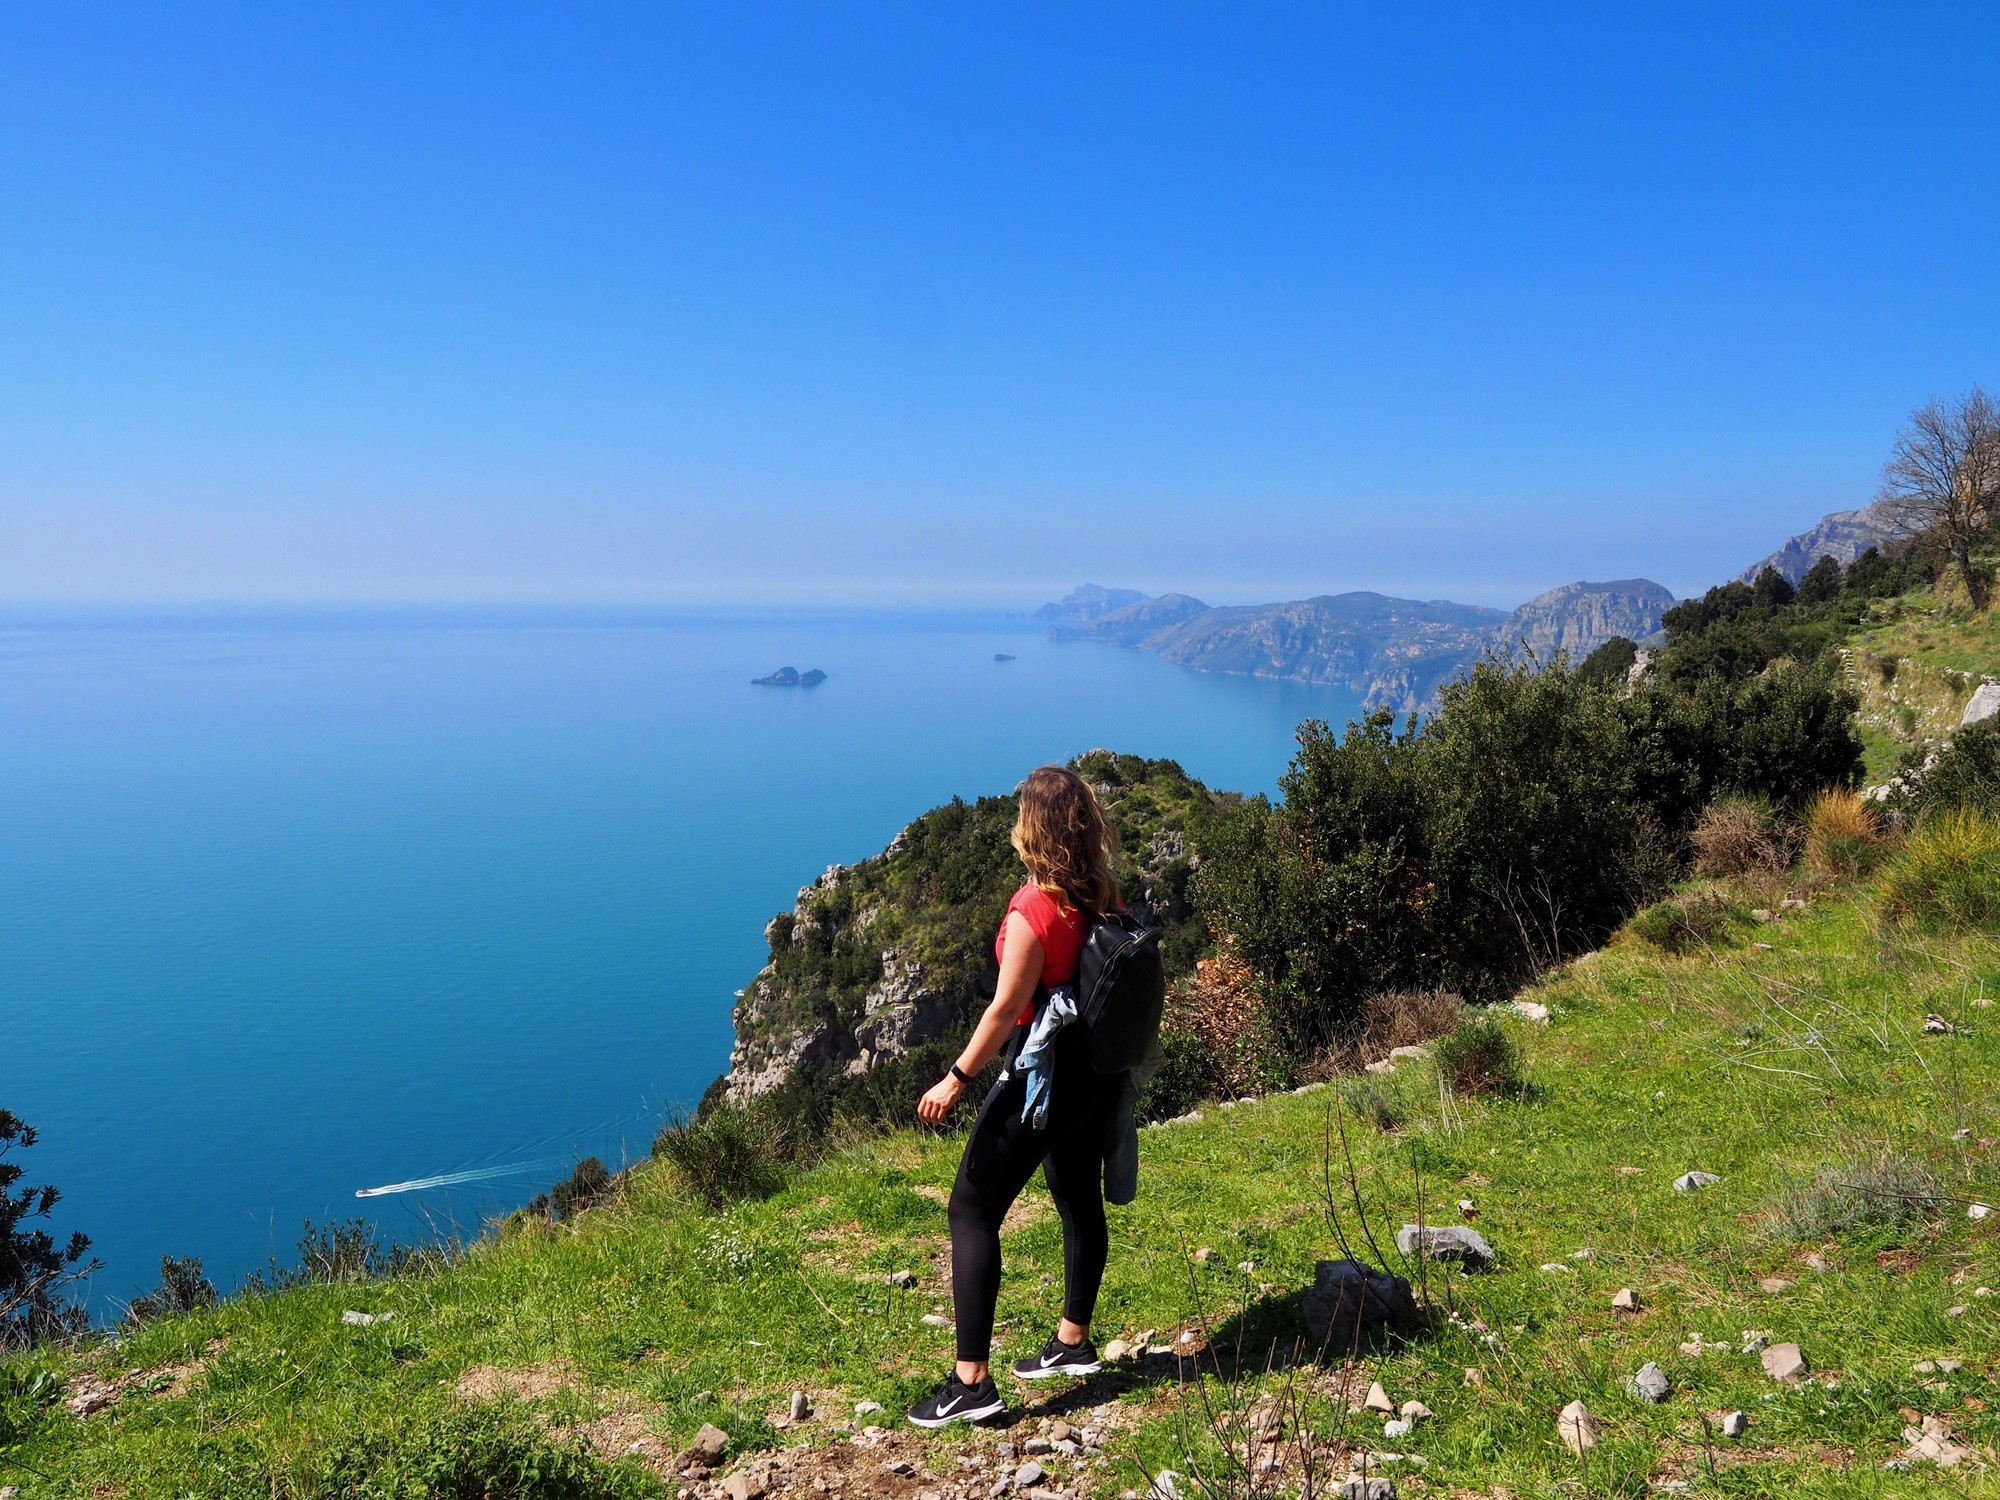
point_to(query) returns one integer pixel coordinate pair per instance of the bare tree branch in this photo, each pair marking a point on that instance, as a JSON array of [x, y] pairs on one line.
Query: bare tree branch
[[1942, 481]]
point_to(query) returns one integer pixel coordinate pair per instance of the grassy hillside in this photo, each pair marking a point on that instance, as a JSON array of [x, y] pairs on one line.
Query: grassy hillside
[[1913, 665], [1787, 1050]]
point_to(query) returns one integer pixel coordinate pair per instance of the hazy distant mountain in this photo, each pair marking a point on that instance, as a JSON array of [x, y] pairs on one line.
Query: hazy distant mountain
[[1138, 624], [1580, 617], [1843, 536], [1086, 603], [1392, 652], [1395, 653]]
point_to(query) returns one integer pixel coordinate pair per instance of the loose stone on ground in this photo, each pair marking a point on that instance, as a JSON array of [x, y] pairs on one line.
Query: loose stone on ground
[[1784, 1362], [1651, 1383], [1577, 1428]]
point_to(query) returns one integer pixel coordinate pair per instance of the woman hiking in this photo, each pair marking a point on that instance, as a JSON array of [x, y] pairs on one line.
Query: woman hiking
[[1049, 1108]]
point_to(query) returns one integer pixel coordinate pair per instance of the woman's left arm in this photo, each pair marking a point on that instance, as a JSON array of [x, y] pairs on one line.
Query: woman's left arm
[[1020, 972]]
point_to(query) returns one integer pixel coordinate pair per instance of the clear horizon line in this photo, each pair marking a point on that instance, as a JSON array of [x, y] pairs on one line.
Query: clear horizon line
[[953, 598]]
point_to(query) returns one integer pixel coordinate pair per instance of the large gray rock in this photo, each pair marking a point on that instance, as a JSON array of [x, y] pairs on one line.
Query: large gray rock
[[1351, 1306], [1651, 1383], [1452, 1242], [1985, 705]]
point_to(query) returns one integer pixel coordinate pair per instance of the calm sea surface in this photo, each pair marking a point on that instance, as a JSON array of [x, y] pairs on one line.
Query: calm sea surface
[[292, 906]]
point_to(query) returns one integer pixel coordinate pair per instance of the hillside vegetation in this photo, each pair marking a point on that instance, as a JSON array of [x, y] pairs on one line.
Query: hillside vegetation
[[1792, 1058]]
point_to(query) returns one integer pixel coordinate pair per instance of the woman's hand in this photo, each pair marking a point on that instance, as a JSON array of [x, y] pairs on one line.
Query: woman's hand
[[937, 1103]]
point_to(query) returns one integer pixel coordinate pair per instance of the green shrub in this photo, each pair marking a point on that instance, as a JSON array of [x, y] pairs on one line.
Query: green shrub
[[1608, 666], [473, 1453], [182, 1289], [1783, 735], [1890, 1191], [1499, 837], [1373, 1103], [334, 1253], [726, 1154], [582, 1189], [1480, 1058], [1965, 774], [1186, 1079], [1685, 922], [28, 1393], [37, 1270], [1947, 877]]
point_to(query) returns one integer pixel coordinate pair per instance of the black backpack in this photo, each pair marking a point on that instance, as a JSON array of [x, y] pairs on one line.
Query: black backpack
[[1121, 988]]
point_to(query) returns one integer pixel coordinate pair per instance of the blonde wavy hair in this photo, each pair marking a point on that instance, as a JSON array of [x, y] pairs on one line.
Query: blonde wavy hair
[[1066, 841]]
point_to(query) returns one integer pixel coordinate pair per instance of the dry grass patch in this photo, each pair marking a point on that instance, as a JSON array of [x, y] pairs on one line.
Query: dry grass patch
[[1218, 1006], [1399, 1018], [1844, 834], [1738, 836], [486, 1385]]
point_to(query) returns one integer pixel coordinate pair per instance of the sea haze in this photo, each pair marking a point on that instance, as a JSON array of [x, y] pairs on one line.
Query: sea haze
[[294, 905]]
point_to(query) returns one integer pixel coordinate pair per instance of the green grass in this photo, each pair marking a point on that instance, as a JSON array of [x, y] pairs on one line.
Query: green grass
[[1769, 1067], [1952, 638]]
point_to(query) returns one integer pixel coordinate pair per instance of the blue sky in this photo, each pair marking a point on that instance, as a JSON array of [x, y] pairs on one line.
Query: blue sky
[[679, 302]]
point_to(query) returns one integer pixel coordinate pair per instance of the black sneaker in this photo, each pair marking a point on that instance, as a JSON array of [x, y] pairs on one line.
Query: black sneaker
[[958, 1402], [1058, 1358]]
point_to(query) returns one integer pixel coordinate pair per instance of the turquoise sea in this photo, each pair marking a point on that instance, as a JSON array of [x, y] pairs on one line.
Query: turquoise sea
[[296, 904]]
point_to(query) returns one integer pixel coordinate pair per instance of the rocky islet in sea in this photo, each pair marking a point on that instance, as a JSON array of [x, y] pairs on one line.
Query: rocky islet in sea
[[791, 677]]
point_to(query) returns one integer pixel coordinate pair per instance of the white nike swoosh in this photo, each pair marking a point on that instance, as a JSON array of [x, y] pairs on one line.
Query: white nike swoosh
[[948, 1407], [1049, 1359]]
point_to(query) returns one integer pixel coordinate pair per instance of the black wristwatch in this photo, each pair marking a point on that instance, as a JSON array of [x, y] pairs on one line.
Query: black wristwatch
[[961, 1075]]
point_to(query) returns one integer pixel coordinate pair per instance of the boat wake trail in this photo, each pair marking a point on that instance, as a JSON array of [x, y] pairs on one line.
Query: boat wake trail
[[452, 1179]]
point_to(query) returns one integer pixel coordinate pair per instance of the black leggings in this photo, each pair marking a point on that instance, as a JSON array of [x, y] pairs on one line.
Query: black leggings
[[1000, 1156]]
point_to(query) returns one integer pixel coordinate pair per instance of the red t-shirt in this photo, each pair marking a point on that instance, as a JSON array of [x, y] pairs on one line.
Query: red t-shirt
[[1058, 925]]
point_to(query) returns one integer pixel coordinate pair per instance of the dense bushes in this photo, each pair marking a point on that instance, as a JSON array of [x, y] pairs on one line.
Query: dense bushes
[[1736, 630], [1965, 774], [1463, 854], [1782, 736]]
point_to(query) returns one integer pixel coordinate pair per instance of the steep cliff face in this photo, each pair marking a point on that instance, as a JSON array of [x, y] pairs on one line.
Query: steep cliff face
[[878, 958], [1579, 617], [1843, 536]]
